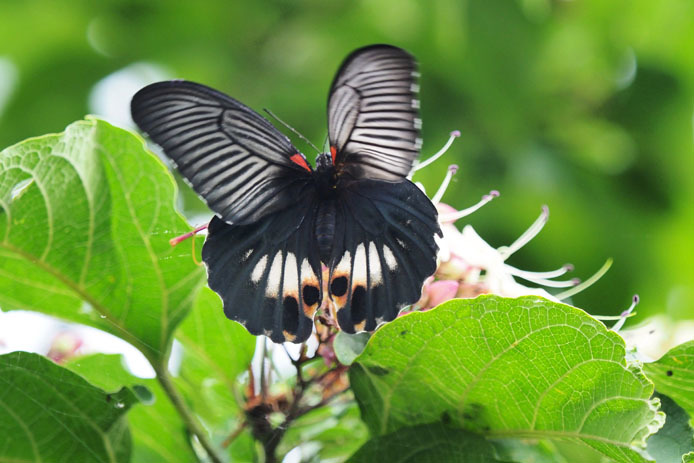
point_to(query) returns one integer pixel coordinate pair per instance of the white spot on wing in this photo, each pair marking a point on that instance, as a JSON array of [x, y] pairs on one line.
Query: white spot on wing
[[375, 273], [359, 275], [273, 278], [343, 265], [391, 262], [259, 269], [417, 123], [291, 279], [246, 255]]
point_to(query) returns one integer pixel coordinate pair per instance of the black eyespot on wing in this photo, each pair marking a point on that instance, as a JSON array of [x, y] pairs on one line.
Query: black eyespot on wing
[[358, 305], [311, 295], [338, 287], [290, 315], [373, 117]]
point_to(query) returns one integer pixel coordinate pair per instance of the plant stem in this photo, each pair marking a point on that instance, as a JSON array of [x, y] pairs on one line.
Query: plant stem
[[179, 404]]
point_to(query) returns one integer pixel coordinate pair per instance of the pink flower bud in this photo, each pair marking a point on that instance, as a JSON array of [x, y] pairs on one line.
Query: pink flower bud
[[440, 291]]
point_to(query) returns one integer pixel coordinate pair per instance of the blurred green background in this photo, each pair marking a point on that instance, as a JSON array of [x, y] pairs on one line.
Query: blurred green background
[[586, 106]]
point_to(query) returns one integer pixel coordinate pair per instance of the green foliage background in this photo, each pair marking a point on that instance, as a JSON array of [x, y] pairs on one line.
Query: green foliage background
[[582, 105]]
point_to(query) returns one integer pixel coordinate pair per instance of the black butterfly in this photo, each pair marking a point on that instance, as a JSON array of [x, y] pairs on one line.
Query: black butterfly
[[278, 219]]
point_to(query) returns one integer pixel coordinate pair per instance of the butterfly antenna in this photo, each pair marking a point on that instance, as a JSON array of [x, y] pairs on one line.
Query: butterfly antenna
[[292, 129]]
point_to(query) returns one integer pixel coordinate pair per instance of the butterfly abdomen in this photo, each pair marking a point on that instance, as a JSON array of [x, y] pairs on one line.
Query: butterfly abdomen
[[325, 229]]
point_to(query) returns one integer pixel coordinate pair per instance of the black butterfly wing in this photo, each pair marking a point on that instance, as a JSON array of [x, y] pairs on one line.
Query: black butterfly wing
[[373, 121], [268, 273], [241, 165], [384, 250]]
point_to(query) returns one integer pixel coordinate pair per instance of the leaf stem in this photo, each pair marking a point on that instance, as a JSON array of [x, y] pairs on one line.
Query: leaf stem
[[179, 404]]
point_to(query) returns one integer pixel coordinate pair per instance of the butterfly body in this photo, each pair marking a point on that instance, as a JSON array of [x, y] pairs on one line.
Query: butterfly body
[[279, 222]]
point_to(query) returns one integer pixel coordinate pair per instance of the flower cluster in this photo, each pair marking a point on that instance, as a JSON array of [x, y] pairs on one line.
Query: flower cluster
[[469, 266]]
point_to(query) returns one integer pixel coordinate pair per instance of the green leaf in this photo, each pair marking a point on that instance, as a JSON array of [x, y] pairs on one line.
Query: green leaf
[[157, 430], [85, 219], [50, 414], [215, 351], [508, 368], [214, 346], [333, 432], [673, 375], [675, 438], [532, 451], [430, 443], [348, 346]]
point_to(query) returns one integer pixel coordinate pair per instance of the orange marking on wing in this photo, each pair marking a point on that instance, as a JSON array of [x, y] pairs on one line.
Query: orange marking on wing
[[360, 326], [299, 160], [310, 292], [333, 153], [340, 285]]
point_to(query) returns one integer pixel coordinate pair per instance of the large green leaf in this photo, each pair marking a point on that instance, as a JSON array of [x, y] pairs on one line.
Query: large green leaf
[[673, 375], [158, 433], [675, 440], [50, 414], [432, 443], [507, 368], [85, 219]]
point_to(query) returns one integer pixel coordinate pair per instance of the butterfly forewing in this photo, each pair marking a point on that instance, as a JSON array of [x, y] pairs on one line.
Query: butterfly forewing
[[384, 249], [234, 158], [373, 121]]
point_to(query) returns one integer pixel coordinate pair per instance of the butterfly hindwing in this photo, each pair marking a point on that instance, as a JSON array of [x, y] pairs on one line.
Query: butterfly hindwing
[[241, 165], [373, 121], [268, 273], [384, 250]]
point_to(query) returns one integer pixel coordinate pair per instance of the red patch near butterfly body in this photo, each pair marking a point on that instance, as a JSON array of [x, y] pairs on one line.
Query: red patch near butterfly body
[[299, 160], [333, 153]]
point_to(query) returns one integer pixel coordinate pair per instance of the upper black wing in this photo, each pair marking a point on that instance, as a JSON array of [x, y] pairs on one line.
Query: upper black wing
[[241, 165], [268, 273], [383, 251], [373, 120]]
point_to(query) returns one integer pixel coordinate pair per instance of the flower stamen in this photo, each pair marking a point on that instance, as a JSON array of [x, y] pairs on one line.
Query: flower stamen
[[455, 134], [626, 314], [529, 234], [452, 169], [578, 288], [541, 278], [454, 216]]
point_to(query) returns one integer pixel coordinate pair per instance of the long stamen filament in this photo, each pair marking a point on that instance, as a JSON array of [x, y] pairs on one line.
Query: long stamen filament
[[452, 169], [531, 276], [626, 314], [595, 277], [527, 235], [455, 134], [453, 216], [178, 239], [550, 274]]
